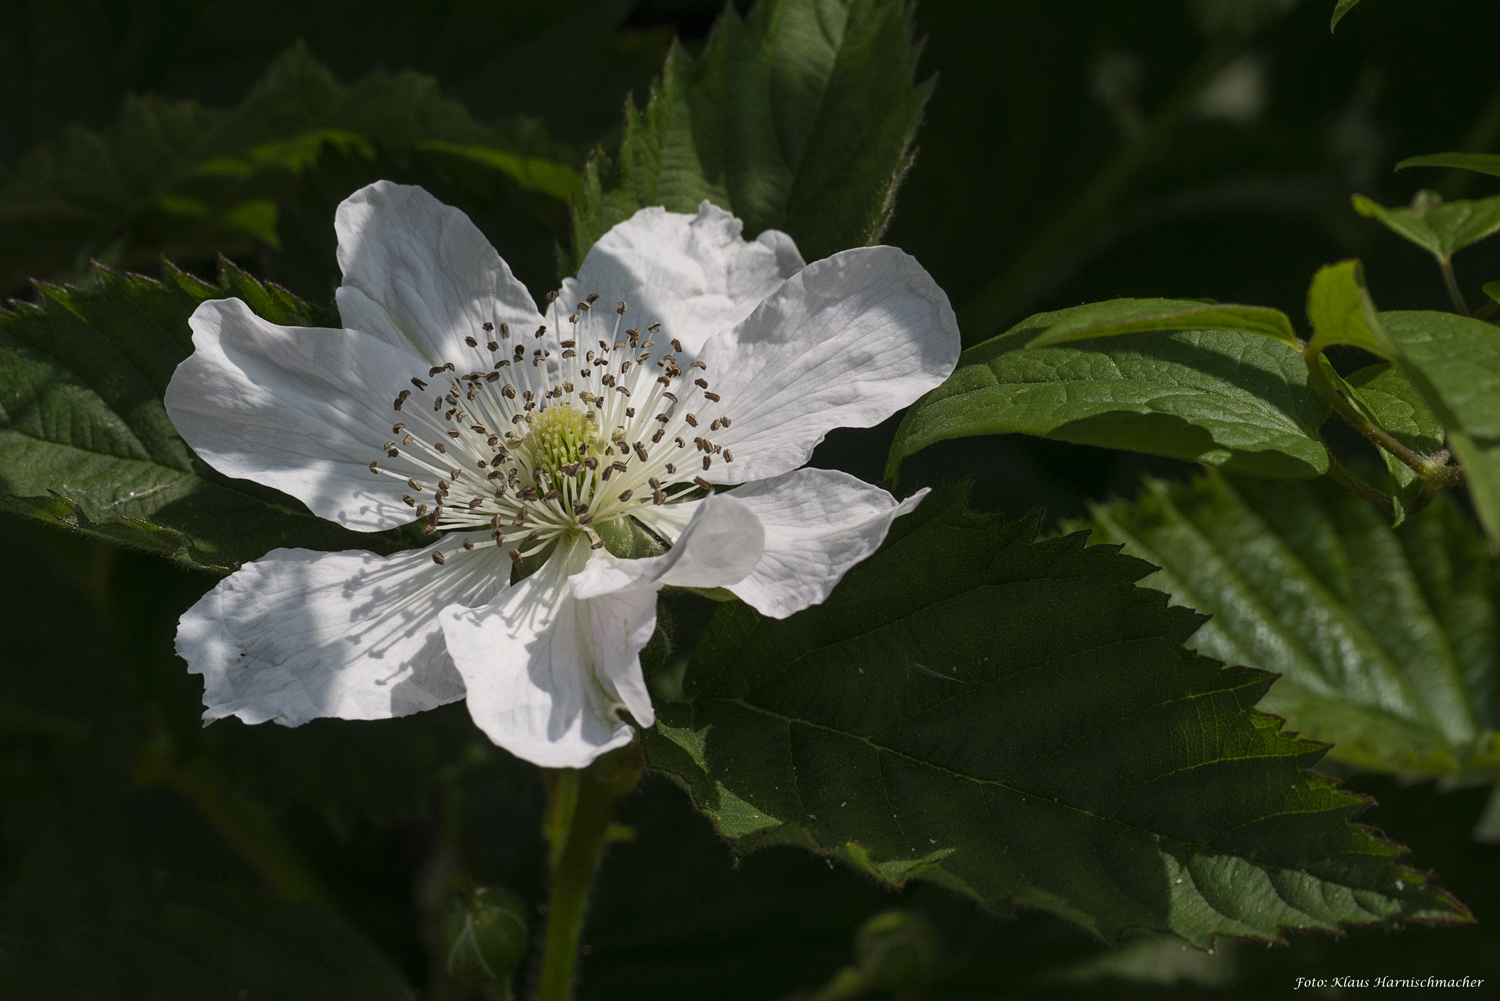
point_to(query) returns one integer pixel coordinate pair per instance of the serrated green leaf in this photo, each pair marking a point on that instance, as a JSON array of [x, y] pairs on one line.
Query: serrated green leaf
[[1222, 397], [1337, 305], [1343, 7], [1389, 400], [1012, 719], [178, 179], [1440, 228], [1483, 163], [86, 441], [799, 117], [1454, 363], [1386, 639], [1132, 316]]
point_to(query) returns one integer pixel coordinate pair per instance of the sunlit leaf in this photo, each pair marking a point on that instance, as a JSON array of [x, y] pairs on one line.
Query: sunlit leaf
[[1386, 640], [1484, 163], [1222, 397], [1129, 316], [86, 441]]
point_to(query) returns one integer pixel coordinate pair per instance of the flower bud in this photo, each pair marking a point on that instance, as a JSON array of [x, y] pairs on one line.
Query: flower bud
[[485, 934]]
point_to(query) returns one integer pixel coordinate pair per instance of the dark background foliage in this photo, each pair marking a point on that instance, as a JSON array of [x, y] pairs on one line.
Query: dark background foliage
[[141, 855]]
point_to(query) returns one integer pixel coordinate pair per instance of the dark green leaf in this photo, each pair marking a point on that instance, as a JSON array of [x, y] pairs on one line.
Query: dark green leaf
[[1344, 7], [1222, 397], [1437, 227], [1386, 640], [85, 439], [799, 117], [1337, 305], [177, 178], [1013, 719], [1131, 316], [1484, 163], [1454, 362], [1492, 289]]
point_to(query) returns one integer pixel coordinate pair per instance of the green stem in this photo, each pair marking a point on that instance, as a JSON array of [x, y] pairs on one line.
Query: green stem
[[580, 808], [1432, 470], [1357, 486], [986, 311], [1451, 280]]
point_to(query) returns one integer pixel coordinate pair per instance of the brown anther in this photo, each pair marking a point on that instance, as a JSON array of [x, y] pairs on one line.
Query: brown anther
[[619, 466], [493, 346], [374, 470], [416, 486], [640, 449], [550, 495], [591, 462], [440, 447], [438, 558], [629, 412], [659, 435], [585, 519], [702, 482], [592, 298], [701, 383], [608, 472], [711, 396], [396, 428], [469, 544], [671, 469], [498, 536], [716, 425], [515, 556], [676, 344], [655, 328], [698, 364], [520, 518], [659, 497], [508, 391], [692, 420], [670, 396], [421, 510], [475, 502], [528, 493], [728, 455], [663, 380], [454, 433], [620, 308], [540, 330], [410, 501], [579, 507], [498, 474], [419, 383], [680, 443], [505, 329], [392, 453], [573, 317], [707, 461]]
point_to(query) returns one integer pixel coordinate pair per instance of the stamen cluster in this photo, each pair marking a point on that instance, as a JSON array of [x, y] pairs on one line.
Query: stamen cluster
[[548, 437]]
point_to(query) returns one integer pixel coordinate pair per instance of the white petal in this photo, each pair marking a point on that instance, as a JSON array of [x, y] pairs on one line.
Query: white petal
[[418, 274], [819, 523], [846, 342], [720, 545], [299, 634], [694, 274], [301, 409], [667, 520], [547, 673]]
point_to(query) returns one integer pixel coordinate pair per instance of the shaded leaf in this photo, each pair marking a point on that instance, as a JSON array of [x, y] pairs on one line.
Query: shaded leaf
[[1386, 640], [1221, 397], [1012, 719], [798, 117], [1130, 316], [176, 178], [85, 439], [1438, 227]]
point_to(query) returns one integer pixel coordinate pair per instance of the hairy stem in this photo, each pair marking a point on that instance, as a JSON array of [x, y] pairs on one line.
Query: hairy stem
[[1432, 469], [1454, 292], [581, 804], [1344, 478]]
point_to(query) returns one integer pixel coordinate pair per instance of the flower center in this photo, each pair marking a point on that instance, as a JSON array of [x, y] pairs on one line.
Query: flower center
[[560, 439], [538, 443]]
